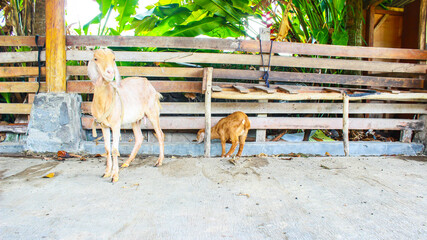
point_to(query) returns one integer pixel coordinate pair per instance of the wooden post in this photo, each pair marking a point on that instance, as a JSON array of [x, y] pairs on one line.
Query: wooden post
[[55, 46], [264, 35], [345, 123], [422, 25], [208, 95]]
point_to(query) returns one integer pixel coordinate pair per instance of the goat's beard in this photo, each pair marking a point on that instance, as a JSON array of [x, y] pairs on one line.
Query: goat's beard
[[108, 78]]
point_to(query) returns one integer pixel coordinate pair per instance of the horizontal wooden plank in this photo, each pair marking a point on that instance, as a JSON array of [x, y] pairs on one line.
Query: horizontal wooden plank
[[14, 128], [6, 72], [145, 71], [17, 57], [160, 86], [16, 41], [247, 46], [244, 59], [228, 45], [284, 108], [318, 96], [22, 87], [275, 76], [15, 108], [283, 123]]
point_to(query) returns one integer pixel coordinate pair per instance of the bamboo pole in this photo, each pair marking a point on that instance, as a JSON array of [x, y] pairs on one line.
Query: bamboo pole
[[345, 124], [55, 46], [208, 96]]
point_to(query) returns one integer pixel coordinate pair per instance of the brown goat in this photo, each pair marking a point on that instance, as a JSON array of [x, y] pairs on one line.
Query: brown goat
[[234, 127], [125, 101]]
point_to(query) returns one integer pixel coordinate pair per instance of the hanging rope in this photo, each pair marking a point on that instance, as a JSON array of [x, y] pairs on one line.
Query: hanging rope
[[39, 62], [266, 72]]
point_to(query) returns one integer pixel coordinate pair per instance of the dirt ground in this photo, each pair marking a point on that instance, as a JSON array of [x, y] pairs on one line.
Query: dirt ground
[[198, 198]]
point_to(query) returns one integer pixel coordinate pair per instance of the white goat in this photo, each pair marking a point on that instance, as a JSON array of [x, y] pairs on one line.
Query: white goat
[[122, 102]]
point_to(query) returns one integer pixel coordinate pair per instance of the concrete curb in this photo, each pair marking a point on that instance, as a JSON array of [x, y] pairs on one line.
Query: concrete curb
[[253, 148]]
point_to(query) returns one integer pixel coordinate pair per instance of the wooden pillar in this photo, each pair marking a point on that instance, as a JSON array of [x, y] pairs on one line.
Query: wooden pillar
[[264, 35], [55, 46], [207, 86]]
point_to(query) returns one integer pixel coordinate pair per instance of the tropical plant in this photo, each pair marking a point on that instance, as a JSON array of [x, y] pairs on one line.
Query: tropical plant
[[217, 18], [307, 21]]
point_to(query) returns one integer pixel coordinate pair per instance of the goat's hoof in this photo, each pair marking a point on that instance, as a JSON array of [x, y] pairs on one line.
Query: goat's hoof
[[158, 164], [114, 179], [124, 165], [106, 175], [232, 161]]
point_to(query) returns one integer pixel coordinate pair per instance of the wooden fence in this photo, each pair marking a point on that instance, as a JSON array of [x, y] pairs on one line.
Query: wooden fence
[[392, 76]]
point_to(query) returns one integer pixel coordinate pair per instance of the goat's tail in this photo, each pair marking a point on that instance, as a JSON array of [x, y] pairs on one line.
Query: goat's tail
[[158, 98]]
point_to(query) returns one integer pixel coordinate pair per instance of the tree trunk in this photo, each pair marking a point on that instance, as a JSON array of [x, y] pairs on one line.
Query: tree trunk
[[40, 18], [354, 22]]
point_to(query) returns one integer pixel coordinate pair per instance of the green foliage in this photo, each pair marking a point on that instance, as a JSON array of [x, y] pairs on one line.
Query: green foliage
[[311, 21], [218, 18]]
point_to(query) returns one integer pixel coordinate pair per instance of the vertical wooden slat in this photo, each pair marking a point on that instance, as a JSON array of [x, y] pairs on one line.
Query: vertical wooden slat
[[345, 124], [264, 35], [422, 25], [31, 95], [55, 46], [208, 96]]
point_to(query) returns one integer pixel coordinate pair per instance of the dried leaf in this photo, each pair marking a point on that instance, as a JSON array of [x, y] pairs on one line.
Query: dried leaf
[[63, 154], [262, 155], [49, 175], [244, 194], [98, 155], [328, 154]]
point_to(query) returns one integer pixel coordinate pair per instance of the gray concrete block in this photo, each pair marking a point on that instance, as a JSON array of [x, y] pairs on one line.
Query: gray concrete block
[[55, 123]]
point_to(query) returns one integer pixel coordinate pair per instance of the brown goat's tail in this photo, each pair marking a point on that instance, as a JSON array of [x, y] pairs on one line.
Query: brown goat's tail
[[246, 123]]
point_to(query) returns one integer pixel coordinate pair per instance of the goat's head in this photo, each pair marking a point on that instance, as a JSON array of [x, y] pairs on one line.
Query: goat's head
[[103, 67], [200, 135]]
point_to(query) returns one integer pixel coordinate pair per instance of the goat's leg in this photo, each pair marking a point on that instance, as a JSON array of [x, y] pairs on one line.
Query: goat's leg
[[107, 143], [223, 146], [116, 154], [155, 121], [233, 146], [136, 127], [242, 140]]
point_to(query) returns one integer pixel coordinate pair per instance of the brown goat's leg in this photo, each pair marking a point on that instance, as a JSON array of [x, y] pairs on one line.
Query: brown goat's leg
[[223, 147], [155, 121], [107, 143], [115, 152], [136, 127], [242, 140], [233, 147]]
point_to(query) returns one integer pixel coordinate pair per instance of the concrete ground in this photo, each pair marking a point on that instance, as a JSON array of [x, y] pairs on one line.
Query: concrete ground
[[197, 198]]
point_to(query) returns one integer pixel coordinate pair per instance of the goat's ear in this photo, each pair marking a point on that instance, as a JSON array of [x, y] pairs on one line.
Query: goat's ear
[[117, 75], [92, 73]]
